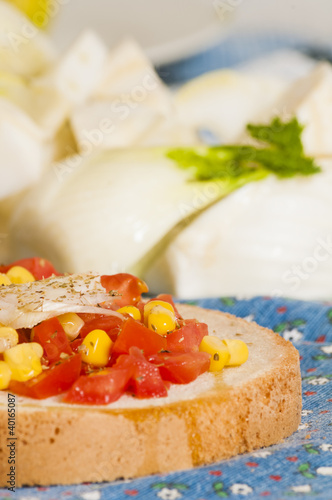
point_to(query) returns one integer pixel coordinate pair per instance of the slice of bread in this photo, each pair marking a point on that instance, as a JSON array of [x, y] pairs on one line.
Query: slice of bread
[[213, 418]]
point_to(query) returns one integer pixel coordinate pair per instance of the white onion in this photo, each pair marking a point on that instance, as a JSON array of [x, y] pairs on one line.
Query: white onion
[[250, 242], [105, 212], [24, 49], [23, 306]]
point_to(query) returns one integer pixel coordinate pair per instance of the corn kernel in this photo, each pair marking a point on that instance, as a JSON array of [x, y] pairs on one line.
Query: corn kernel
[[20, 275], [238, 350], [219, 352], [96, 348], [132, 311], [8, 338], [154, 303], [37, 348], [24, 361], [4, 280], [5, 375], [72, 324], [161, 320]]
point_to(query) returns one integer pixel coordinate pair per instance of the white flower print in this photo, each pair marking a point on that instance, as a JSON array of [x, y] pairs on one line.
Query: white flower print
[[249, 318], [91, 495], [28, 498], [305, 413], [240, 489], [324, 471], [303, 488], [327, 349], [326, 447], [169, 494], [318, 381], [301, 427], [262, 454], [293, 335]]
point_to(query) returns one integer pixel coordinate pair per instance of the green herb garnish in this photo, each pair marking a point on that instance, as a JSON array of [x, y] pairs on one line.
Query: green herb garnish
[[279, 150]]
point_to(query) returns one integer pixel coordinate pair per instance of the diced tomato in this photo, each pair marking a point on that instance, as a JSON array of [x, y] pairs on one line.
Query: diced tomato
[[75, 344], [181, 368], [52, 337], [99, 388], [145, 381], [111, 324], [38, 267], [136, 334], [168, 298], [58, 378], [129, 288], [188, 337]]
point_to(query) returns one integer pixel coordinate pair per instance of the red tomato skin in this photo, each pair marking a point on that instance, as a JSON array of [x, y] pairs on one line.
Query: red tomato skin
[[136, 334], [129, 288], [52, 337], [168, 298], [38, 267], [188, 337], [58, 378], [181, 368], [99, 389], [145, 381], [75, 344], [110, 324]]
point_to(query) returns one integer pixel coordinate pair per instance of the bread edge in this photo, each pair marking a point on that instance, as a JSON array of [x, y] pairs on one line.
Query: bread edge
[[74, 445]]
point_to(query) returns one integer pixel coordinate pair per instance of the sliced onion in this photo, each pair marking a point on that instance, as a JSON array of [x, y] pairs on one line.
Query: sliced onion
[[23, 306], [272, 237]]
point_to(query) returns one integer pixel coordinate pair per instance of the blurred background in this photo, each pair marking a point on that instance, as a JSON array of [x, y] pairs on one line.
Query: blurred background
[[196, 35], [219, 32], [100, 61]]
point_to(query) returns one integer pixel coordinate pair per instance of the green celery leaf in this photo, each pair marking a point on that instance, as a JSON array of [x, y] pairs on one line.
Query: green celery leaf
[[280, 153]]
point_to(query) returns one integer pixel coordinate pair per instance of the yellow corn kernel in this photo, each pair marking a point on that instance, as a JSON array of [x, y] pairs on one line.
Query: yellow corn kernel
[[238, 350], [5, 375], [19, 275], [161, 320], [8, 338], [72, 324], [153, 303], [4, 280], [132, 311], [96, 348], [219, 352], [24, 361], [37, 348]]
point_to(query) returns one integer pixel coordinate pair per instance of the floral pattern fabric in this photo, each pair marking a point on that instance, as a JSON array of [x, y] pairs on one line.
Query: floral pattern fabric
[[300, 467]]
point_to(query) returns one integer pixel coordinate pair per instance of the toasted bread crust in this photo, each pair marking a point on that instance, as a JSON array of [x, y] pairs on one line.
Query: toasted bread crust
[[72, 444]]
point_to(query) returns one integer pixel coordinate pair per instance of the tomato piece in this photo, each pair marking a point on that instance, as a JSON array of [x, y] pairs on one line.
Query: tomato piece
[[136, 334], [75, 344], [129, 288], [52, 337], [110, 324], [168, 298], [58, 378], [38, 267], [181, 368], [188, 337], [145, 381], [99, 388]]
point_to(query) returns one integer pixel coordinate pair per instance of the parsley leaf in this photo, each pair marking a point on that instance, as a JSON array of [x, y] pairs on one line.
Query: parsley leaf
[[279, 150]]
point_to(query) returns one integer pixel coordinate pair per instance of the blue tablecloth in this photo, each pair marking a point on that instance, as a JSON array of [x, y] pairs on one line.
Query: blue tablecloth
[[300, 467]]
